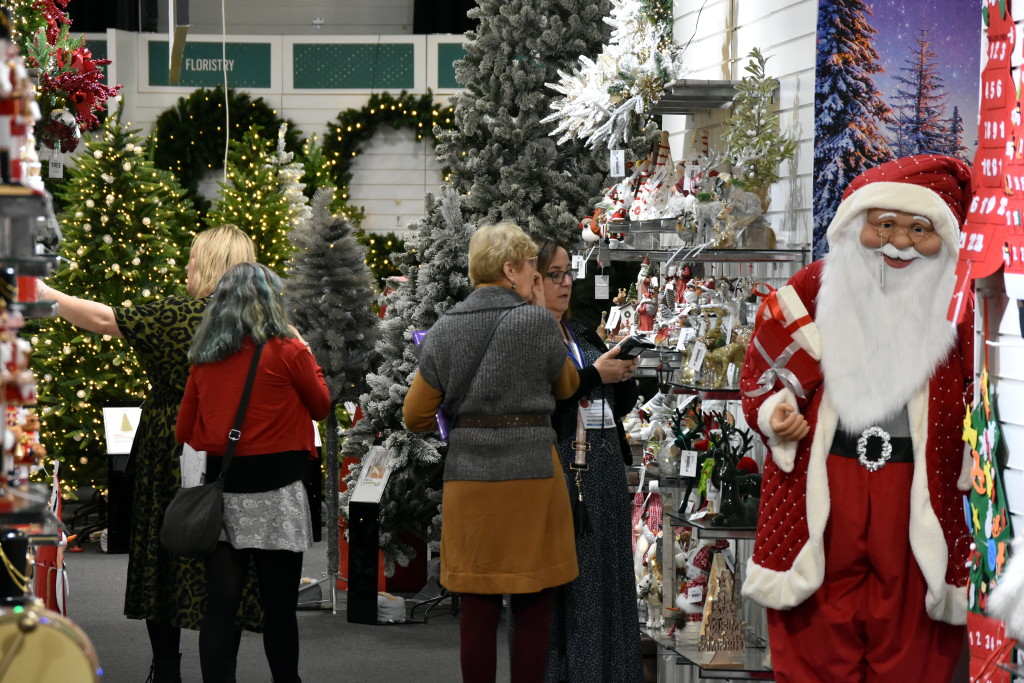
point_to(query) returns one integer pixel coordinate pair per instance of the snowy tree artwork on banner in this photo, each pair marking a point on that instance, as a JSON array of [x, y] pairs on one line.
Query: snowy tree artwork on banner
[[894, 78]]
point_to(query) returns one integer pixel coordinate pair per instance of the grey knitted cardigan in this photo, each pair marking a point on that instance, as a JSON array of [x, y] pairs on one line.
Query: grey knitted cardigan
[[524, 358]]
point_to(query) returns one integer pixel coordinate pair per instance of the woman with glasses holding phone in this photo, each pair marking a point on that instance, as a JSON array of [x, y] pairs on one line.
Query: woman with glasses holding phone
[[594, 630]]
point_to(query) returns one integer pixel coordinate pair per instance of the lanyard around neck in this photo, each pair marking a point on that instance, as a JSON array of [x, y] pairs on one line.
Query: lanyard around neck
[[574, 350]]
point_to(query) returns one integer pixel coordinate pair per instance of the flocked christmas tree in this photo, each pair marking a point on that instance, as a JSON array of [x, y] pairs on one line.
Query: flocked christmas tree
[[435, 269], [500, 154], [127, 226], [252, 198], [605, 100], [289, 176], [849, 111], [329, 294]]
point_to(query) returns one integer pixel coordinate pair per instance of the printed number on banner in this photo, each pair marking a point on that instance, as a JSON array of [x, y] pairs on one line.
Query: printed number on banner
[[993, 89], [991, 167], [995, 130], [976, 242], [997, 49], [989, 205]]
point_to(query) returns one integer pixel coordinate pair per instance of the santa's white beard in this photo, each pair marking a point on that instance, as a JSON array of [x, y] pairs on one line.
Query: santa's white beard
[[881, 341]]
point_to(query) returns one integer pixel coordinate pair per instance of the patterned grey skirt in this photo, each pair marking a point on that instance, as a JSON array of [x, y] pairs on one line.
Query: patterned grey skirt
[[269, 520]]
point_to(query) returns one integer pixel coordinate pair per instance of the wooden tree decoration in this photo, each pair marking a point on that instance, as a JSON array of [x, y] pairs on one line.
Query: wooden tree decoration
[[721, 630]]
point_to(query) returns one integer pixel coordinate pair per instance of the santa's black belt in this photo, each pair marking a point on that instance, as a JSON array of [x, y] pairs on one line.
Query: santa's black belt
[[501, 421], [873, 447]]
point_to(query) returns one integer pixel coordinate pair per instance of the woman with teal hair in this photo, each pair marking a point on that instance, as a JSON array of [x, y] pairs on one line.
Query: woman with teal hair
[[266, 513]]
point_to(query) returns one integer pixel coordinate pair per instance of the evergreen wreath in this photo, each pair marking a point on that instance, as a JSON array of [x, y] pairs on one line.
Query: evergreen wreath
[[188, 138], [353, 128]]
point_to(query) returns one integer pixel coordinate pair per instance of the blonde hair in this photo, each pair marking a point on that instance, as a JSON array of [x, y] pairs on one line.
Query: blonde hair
[[214, 252], [492, 246]]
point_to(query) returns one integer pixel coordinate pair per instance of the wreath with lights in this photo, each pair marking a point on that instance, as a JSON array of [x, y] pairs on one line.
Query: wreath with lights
[[188, 138], [349, 133]]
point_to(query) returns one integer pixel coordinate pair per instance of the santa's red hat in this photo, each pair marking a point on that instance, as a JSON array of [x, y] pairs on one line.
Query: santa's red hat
[[934, 186]]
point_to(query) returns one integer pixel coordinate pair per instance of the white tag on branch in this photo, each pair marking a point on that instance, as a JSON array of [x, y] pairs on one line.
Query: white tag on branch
[[601, 286], [56, 165], [617, 163]]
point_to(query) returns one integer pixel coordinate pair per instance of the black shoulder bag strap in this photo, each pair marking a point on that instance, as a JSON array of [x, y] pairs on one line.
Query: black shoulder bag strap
[[236, 432], [453, 410]]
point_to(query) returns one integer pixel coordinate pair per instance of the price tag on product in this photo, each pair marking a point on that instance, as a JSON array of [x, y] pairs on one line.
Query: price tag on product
[[56, 165], [617, 163], [688, 464], [579, 264], [694, 594], [696, 361], [601, 286]]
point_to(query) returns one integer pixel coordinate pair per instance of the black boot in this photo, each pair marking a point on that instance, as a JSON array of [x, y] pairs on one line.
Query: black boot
[[167, 670]]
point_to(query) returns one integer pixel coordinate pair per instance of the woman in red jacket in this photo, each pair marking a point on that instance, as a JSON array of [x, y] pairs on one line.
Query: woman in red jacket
[[266, 514]]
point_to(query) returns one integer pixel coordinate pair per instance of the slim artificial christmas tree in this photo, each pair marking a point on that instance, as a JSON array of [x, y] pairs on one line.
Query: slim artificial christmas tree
[[435, 269], [754, 141], [501, 155], [127, 226], [252, 198], [329, 294]]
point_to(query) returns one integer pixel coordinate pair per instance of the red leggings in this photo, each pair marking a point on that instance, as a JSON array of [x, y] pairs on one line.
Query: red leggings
[[867, 622], [478, 630]]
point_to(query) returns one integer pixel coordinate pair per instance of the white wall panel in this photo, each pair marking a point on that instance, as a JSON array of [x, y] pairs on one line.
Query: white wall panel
[[296, 16], [723, 34]]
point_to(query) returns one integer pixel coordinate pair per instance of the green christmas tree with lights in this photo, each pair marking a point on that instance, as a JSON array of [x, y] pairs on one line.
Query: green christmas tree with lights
[[127, 226], [253, 199], [381, 251], [318, 173]]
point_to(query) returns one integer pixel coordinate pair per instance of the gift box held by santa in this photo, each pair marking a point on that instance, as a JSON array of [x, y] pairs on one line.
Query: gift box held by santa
[[857, 383]]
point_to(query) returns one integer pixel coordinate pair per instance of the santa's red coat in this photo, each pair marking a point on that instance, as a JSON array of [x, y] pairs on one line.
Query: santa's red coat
[[787, 564]]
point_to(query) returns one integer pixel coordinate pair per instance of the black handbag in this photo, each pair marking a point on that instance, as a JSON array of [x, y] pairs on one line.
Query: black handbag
[[193, 521]]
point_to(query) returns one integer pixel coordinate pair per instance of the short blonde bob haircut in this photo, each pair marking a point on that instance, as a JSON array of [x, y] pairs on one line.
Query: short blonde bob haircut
[[492, 246], [214, 252]]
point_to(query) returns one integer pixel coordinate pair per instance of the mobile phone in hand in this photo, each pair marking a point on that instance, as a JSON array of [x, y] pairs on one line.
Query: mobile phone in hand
[[632, 346]]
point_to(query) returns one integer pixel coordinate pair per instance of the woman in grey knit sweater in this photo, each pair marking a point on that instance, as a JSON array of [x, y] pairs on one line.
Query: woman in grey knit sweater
[[506, 519]]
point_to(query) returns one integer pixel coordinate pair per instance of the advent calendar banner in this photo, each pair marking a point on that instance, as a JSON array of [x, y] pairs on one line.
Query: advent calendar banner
[[894, 78]]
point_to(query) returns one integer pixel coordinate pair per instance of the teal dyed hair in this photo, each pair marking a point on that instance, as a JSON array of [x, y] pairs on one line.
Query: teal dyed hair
[[246, 302]]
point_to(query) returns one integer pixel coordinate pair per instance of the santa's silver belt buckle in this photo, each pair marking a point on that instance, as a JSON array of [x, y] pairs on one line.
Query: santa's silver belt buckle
[[884, 453]]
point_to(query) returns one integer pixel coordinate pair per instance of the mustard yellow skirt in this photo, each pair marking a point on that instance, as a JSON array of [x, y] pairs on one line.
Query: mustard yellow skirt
[[507, 536]]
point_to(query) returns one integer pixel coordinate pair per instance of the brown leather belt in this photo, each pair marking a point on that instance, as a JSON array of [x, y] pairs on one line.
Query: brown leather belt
[[501, 421]]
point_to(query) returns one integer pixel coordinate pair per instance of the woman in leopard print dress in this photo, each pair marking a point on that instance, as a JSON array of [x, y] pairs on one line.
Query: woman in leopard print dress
[[169, 592]]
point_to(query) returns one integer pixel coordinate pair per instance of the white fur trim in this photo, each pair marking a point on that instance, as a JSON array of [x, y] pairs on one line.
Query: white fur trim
[[906, 197], [786, 589], [783, 452], [942, 601], [819, 499]]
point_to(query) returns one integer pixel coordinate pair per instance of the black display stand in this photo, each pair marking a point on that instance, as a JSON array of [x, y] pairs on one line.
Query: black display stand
[[120, 497], [363, 549]]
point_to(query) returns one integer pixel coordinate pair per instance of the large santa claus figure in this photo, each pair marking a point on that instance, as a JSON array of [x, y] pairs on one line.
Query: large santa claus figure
[[857, 383]]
